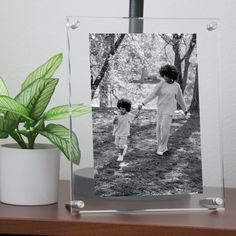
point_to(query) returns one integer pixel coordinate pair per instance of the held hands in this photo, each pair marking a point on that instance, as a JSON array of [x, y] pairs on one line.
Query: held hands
[[115, 121], [137, 114], [140, 106]]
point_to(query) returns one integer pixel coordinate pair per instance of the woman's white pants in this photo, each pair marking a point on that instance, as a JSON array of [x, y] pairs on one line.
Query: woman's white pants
[[163, 131]]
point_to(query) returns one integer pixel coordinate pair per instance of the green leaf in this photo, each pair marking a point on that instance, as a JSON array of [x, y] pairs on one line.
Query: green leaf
[[62, 112], [39, 125], [44, 71], [37, 96], [26, 133], [3, 91], [3, 134], [3, 87], [10, 105], [60, 136], [4, 127]]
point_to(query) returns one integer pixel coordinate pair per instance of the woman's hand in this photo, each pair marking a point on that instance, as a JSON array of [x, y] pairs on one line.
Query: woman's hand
[[187, 115]]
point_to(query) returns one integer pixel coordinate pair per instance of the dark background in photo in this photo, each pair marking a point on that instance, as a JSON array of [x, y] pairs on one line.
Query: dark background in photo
[[126, 66]]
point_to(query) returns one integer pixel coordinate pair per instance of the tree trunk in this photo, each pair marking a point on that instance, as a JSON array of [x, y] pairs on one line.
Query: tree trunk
[[104, 84], [99, 78], [194, 107], [177, 62], [186, 61], [185, 74], [103, 93]]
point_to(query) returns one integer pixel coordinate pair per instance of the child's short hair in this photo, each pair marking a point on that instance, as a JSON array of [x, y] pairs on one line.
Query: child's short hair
[[125, 103]]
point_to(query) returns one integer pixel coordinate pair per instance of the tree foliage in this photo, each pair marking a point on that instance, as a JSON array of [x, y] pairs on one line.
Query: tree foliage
[[128, 65]]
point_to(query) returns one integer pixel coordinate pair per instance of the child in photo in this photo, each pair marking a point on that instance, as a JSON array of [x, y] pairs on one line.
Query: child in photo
[[122, 123]]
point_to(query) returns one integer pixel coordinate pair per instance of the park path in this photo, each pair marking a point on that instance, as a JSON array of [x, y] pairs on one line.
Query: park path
[[143, 173]]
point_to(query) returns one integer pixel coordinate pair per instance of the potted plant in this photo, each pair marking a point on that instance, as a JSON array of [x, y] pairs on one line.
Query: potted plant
[[29, 172]]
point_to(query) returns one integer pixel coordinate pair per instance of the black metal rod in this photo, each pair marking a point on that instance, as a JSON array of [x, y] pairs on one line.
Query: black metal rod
[[135, 11], [136, 8]]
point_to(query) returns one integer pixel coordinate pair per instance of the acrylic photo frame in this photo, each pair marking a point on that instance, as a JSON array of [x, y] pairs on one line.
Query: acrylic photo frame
[[82, 185]]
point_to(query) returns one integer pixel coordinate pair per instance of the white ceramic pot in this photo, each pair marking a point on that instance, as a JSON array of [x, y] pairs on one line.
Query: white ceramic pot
[[29, 176]]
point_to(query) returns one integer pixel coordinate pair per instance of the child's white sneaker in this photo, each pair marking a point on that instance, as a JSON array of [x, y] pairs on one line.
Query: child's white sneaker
[[160, 153], [120, 158], [125, 150]]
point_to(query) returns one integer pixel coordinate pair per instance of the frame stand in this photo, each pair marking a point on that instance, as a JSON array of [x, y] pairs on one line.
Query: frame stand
[[75, 206], [212, 203]]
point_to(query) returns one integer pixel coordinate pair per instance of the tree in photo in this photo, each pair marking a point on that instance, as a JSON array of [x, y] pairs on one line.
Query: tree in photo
[[183, 46], [107, 39]]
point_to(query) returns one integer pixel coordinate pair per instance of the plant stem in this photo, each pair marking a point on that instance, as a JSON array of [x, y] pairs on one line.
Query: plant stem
[[31, 141], [17, 137]]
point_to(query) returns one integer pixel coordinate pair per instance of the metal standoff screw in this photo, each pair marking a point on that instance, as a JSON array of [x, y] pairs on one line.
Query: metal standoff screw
[[218, 201], [75, 204], [212, 26], [74, 24], [211, 202]]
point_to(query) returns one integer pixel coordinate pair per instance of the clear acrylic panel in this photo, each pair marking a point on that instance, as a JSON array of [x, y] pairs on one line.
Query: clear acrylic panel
[[114, 58]]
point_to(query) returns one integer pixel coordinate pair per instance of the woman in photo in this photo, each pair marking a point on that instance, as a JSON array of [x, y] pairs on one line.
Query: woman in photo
[[168, 94]]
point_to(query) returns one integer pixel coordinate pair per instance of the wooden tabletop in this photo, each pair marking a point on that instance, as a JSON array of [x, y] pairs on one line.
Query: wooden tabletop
[[56, 220]]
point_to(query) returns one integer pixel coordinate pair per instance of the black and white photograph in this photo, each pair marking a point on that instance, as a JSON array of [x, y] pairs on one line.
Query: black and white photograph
[[145, 114]]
